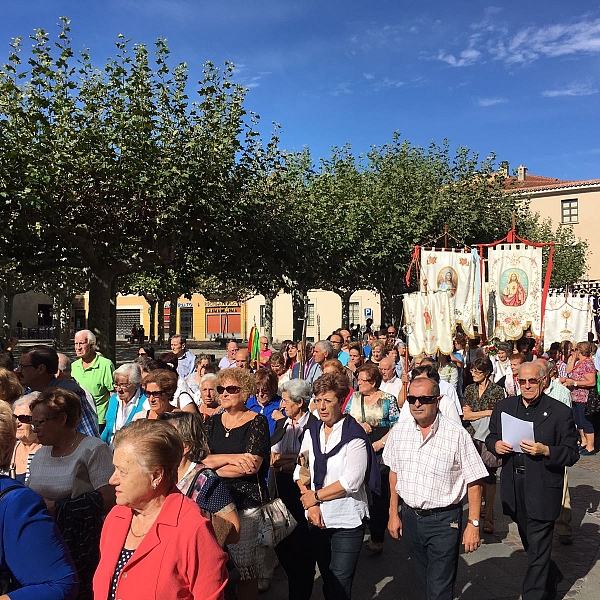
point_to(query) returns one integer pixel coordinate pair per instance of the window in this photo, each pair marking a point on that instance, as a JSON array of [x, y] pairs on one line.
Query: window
[[261, 318], [570, 211], [354, 315], [311, 315]]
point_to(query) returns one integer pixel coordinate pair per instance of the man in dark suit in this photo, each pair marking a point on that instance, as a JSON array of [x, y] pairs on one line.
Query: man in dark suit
[[531, 483]]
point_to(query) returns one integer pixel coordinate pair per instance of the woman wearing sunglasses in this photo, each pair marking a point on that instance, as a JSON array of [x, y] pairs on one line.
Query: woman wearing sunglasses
[[159, 386], [27, 441], [240, 447]]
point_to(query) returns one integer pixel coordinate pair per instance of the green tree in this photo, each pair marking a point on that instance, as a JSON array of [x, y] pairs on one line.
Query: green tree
[[110, 170]]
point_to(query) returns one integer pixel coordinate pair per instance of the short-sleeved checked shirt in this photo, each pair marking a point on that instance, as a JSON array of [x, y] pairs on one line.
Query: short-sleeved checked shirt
[[433, 472]]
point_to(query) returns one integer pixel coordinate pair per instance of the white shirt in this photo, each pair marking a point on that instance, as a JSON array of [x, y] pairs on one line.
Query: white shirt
[[123, 412], [447, 408], [501, 369], [349, 467], [225, 364], [393, 386], [449, 390], [290, 442], [433, 472]]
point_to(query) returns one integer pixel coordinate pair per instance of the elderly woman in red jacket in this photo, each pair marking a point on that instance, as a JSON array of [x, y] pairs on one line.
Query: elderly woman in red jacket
[[155, 542]]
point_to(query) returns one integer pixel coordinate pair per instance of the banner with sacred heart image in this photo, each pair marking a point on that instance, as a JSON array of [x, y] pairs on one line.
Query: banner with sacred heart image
[[452, 271], [515, 279], [428, 321]]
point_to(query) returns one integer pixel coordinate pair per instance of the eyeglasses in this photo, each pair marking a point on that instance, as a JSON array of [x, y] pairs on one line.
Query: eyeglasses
[[155, 393], [230, 389], [142, 354], [23, 418], [364, 381], [38, 424], [20, 367], [422, 399], [530, 381], [121, 386]]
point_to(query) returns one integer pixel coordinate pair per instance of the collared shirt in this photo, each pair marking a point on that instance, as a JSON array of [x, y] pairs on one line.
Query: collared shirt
[[343, 357], [88, 424], [225, 364], [433, 472], [185, 364], [290, 442], [267, 410], [98, 380], [559, 392], [314, 373], [446, 389], [393, 386], [123, 412], [349, 467]]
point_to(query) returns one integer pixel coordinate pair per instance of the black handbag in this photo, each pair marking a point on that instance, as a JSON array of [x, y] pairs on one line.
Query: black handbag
[[592, 406], [7, 581]]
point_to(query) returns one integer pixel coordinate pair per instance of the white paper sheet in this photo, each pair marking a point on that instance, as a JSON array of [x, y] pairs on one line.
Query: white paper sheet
[[514, 431]]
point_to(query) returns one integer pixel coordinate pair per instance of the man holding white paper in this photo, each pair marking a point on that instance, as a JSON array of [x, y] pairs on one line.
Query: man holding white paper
[[531, 482]]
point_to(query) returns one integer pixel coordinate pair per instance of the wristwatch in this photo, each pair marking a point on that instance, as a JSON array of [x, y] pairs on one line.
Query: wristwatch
[[574, 384], [474, 522], [317, 498]]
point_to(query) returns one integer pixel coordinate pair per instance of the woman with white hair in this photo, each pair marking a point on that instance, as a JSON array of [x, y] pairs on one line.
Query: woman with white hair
[[295, 552], [209, 399], [27, 441], [127, 400]]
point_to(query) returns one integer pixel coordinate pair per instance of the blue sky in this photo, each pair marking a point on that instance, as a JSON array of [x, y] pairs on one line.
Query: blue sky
[[521, 79]]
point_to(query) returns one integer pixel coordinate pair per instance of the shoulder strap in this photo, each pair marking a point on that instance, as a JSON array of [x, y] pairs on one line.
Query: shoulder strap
[[362, 408], [8, 489]]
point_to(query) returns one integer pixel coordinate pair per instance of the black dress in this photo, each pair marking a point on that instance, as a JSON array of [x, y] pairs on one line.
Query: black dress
[[252, 437]]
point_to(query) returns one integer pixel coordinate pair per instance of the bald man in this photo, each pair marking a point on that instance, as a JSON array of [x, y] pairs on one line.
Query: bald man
[[389, 381]]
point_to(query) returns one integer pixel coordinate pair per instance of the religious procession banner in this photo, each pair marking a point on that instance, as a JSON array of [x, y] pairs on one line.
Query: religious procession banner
[[568, 318], [515, 285], [452, 272], [428, 322]]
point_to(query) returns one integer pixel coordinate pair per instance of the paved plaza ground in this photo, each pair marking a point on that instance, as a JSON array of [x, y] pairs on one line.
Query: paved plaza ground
[[496, 570]]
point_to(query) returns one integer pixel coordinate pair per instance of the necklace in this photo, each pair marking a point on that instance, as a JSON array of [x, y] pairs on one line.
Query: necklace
[[228, 429], [65, 452], [134, 534]]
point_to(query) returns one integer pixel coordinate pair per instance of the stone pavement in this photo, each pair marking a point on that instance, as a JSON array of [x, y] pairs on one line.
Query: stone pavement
[[496, 570]]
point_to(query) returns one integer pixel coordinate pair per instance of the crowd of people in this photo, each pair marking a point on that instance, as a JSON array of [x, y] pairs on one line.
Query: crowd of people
[[148, 480]]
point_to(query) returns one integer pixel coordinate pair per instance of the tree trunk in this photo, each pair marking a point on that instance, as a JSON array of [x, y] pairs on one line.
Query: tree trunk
[[63, 309], [152, 327], [161, 322], [102, 312], [173, 318], [345, 296], [269, 301], [299, 308]]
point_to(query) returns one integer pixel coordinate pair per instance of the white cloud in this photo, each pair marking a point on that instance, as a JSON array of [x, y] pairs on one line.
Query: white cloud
[[465, 58], [251, 81], [368, 76], [387, 83], [492, 38], [485, 102], [575, 89], [341, 89]]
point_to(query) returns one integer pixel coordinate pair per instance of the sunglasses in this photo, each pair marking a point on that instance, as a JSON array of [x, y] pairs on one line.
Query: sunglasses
[[155, 393], [530, 381], [23, 418], [142, 354], [422, 399], [230, 389]]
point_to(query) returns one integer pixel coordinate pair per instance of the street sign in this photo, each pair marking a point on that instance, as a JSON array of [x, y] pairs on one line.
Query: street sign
[[368, 313]]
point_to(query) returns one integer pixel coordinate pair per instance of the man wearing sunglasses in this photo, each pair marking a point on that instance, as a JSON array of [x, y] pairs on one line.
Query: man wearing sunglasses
[[531, 482], [433, 465]]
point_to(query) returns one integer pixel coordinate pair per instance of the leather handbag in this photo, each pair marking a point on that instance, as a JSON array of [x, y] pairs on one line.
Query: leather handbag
[[275, 521], [592, 406]]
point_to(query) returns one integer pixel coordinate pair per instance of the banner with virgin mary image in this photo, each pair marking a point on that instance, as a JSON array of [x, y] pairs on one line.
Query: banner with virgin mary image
[[515, 280], [568, 318], [452, 271], [428, 323]]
